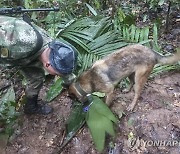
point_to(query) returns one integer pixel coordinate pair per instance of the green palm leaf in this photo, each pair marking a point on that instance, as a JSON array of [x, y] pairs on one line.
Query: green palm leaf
[[94, 38], [133, 31], [137, 34], [103, 109], [94, 123], [100, 121], [91, 9], [75, 41], [108, 48], [101, 40], [54, 90]]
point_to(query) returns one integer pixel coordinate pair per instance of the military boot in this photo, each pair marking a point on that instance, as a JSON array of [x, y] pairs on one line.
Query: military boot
[[32, 107]]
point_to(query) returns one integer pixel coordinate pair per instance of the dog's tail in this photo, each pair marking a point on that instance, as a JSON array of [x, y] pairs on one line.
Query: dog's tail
[[171, 59]]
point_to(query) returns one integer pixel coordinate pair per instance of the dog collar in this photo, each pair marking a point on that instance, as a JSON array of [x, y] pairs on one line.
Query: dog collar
[[86, 98], [80, 90]]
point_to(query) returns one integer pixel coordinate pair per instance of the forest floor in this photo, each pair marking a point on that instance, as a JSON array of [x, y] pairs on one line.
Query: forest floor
[[156, 118]]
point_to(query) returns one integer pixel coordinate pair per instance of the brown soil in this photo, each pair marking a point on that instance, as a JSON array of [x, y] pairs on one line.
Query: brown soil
[[155, 118]]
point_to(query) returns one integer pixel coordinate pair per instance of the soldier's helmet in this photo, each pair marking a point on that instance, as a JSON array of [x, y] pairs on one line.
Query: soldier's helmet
[[63, 57]]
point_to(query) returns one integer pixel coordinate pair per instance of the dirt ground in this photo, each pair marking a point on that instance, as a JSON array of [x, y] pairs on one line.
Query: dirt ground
[[155, 118]]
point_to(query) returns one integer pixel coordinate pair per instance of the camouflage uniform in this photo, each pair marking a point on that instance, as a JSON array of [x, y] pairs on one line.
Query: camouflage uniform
[[20, 47]]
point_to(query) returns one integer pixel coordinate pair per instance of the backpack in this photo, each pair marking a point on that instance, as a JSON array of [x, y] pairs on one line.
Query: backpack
[[19, 41]]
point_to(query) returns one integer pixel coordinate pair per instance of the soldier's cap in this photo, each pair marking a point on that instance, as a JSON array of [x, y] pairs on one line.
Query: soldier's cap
[[63, 57]]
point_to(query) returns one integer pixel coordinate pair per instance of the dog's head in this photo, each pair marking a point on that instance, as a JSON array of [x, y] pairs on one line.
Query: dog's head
[[77, 93]]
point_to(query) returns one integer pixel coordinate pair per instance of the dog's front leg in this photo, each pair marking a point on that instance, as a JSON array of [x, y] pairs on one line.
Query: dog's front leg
[[109, 96], [134, 102], [141, 76]]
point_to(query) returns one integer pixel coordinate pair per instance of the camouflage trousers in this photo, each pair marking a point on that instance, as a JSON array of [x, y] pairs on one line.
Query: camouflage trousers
[[35, 76]]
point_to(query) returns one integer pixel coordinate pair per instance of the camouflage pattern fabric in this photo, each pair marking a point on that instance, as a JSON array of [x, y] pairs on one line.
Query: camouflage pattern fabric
[[18, 40], [17, 36], [35, 76]]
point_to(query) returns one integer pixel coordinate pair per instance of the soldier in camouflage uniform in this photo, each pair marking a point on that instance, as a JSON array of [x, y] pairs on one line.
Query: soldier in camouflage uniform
[[29, 48]]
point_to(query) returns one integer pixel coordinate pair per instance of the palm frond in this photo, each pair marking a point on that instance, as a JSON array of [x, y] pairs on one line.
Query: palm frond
[[94, 37], [135, 34]]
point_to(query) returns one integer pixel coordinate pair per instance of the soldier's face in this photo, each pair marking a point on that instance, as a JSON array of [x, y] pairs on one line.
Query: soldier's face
[[50, 69], [46, 64]]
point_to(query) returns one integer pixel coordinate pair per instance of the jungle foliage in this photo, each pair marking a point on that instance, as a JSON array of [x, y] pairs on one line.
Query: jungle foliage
[[95, 28]]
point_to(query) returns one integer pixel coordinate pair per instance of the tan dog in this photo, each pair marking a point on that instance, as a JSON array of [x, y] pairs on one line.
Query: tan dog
[[133, 61]]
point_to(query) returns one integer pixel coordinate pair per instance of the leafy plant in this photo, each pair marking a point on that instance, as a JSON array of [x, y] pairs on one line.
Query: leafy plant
[[98, 117], [82, 24], [100, 121], [154, 4], [164, 68], [95, 37], [8, 113], [54, 90], [75, 121], [123, 17], [135, 35]]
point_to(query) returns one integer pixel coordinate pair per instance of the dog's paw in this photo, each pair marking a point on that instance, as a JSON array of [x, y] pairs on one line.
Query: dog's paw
[[130, 108], [126, 90]]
